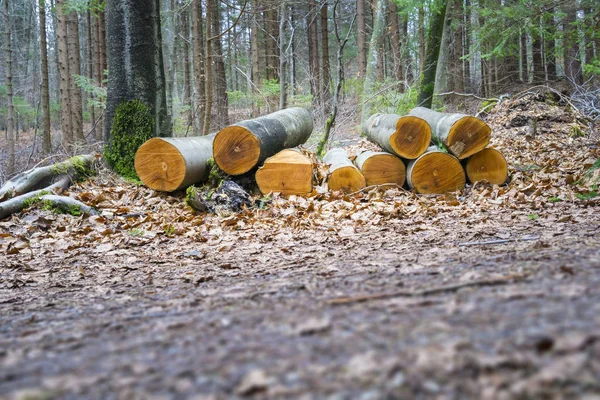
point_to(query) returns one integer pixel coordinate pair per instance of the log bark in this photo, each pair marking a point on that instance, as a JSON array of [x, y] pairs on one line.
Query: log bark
[[343, 175], [435, 172], [240, 147], [407, 137], [381, 168], [169, 164], [287, 172], [463, 135], [487, 165]]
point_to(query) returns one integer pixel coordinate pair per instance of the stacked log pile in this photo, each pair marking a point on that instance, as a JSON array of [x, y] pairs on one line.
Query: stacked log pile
[[429, 151]]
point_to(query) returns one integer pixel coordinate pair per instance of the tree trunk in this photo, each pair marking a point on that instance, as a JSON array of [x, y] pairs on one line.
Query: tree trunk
[[395, 42], [524, 63], [435, 172], [208, 67], [343, 175], [361, 27], [539, 73], [169, 164], [407, 137], [90, 66], [45, 94], [370, 77], [550, 44], [240, 147], [74, 69], [463, 135], [434, 42], [381, 168], [10, 119], [134, 57], [572, 58], [283, 58], [271, 45], [65, 73], [487, 165], [325, 70], [256, 75], [187, 86], [99, 72], [314, 53], [421, 27], [288, 172], [220, 78], [198, 55]]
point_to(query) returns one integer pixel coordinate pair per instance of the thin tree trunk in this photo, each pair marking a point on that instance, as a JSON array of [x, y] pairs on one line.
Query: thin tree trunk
[[220, 78], [256, 75], [208, 67], [198, 55], [46, 138], [421, 40], [550, 45], [63, 64], [361, 27], [314, 53], [90, 63], [524, 63], [74, 69], [283, 58], [376, 35], [325, 70], [395, 41], [434, 42], [572, 58], [10, 129], [185, 31]]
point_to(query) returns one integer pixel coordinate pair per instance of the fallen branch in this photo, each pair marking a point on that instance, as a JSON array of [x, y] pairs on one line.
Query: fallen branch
[[499, 241], [67, 205], [426, 292]]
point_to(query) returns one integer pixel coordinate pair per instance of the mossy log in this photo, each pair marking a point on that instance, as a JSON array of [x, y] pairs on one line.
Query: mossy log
[[463, 135], [381, 168], [239, 148], [38, 184], [287, 172], [487, 165], [343, 174], [407, 137], [435, 172], [169, 164]]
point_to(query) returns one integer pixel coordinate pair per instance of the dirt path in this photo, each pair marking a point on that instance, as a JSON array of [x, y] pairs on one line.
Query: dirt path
[[257, 317]]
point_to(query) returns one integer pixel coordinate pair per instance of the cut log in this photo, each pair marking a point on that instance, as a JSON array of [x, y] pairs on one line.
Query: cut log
[[239, 148], [380, 168], [487, 165], [287, 172], [407, 137], [168, 164], [463, 135], [435, 172], [343, 175]]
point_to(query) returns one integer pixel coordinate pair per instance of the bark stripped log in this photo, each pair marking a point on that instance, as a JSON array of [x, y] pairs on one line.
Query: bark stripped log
[[407, 137], [487, 165], [169, 164], [380, 168], [463, 135], [435, 172], [343, 175], [240, 147], [287, 172]]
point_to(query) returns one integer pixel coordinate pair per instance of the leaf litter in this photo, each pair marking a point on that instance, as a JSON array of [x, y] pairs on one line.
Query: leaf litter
[[369, 294]]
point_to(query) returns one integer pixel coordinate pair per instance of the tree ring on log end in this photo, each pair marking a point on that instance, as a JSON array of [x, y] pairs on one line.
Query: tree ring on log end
[[382, 169], [437, 173], [157, 152], [468, 136], [412, 137], [487, 165], [347, 179], [236, 150]]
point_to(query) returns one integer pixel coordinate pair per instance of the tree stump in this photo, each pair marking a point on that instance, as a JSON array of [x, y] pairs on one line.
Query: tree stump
[[407, 137], [380, 168], [287, 172], [343, 175], [169, 164], [239, 148], [463, 135], [487, 165], [435, 172]]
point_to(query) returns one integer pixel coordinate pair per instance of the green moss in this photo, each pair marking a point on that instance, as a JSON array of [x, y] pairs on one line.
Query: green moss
[[73, 210], [35, 199], [190, 194], [487, 104], [577, 132], [132, 126]]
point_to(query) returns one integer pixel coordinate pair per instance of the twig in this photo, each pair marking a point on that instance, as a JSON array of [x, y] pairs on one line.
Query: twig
[[365, 189], [499, 241], [426, 292], [466, 95]]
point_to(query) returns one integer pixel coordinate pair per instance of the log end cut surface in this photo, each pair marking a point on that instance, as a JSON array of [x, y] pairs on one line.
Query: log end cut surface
[[437, 173], [236, 150], [159, 165], [380, 169], [287, 172], [468, 136], [347, 179], [412, 137], [487, 165]]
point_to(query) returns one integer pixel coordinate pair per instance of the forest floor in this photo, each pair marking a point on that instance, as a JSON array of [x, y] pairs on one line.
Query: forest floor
[[492, 292]]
